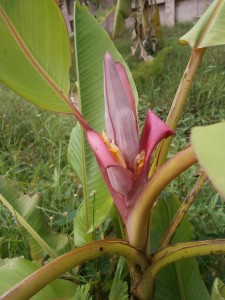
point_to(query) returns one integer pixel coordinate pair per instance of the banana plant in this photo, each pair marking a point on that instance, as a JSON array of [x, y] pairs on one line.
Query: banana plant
[[34, 62], [146, 26]]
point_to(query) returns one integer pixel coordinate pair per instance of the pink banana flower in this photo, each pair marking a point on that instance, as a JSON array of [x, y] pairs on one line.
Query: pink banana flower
[[123, 158]]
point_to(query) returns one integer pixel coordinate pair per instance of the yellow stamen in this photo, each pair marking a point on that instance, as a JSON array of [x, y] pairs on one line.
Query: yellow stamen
[[105, 139], [139, 163], [117, 154]]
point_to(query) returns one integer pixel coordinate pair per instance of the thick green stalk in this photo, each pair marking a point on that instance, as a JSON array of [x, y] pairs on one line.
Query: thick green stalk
[[178, 105], [172, 254], [138, 221], [182, 211], [39, 279]]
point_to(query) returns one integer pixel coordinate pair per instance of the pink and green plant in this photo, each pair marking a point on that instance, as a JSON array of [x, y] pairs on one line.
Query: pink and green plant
[[35, 62], [124, 161]]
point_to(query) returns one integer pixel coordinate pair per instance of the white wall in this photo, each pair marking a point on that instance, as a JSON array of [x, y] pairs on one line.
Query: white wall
[[184, 10], [188, 10]]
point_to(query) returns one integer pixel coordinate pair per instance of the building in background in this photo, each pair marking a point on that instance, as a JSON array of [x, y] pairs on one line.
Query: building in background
[[171, 11]]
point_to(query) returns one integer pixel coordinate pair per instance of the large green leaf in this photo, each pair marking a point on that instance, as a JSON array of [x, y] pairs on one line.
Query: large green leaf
[[180, 280], [210, 29], [209, 145], [16, 269], [35, 52], [41, 239], [123, 10], [91, 44], [218, 290]]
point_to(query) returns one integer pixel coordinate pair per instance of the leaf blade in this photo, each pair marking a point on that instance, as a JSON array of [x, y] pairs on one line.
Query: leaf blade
[[209, 143], [16, 269], [39, 237], [34, 61], [218, 291], [181, 280], [26, 225], [209, 30], [123, 10]]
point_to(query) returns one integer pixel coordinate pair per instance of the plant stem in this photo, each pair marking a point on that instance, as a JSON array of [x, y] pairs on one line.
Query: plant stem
[[177, 106], [138, 221], [172, 254], [181, 213], [144, 16], [39, 279]]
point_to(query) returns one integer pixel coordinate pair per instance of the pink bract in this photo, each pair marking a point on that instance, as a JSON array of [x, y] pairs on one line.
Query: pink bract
[[124, 182]]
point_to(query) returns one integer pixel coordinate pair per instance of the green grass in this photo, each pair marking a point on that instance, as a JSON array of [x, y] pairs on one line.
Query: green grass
[[33, 152], [33, 143]]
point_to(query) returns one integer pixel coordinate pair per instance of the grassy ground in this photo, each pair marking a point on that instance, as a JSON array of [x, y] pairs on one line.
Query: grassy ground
[[33, 147], [33, 143]]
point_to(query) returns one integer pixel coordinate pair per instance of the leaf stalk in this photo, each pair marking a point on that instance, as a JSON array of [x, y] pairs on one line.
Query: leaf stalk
[[181, 213], [173, 254], [138, 221], [43, 276], [178, 106]]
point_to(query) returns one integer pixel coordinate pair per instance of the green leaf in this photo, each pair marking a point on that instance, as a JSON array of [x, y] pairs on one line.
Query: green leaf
[[123, 10], [119, 291], [103, 14], [82, 292], [121, 269], [119, 288], [180, 280], [16, 269], [35, 52], [74, 151], [81, 232], [91, 44], [209, 30], [218, 290], [41, 239], [209, 144]]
